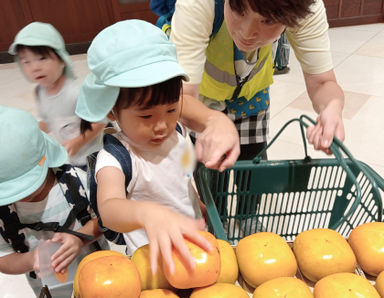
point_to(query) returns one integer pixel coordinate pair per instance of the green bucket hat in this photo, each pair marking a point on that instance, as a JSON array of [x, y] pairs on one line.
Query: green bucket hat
[[43, 34], [127, 54], [26, 154]]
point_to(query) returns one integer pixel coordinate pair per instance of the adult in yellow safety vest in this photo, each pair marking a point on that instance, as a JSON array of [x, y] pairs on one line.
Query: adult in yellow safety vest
[[231, 68]]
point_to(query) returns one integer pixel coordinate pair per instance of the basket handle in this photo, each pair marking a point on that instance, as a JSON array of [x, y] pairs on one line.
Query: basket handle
[[258, 157], [372, 176], [335, 148]]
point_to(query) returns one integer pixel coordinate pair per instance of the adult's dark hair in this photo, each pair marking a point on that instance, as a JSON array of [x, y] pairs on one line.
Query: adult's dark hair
[[38, 50], [286, 12], [166, 92]]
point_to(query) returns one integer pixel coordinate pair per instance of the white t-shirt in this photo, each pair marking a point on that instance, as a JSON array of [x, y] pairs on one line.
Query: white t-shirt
[[192, 25], [162, 176], [58, 111], [54, 208]]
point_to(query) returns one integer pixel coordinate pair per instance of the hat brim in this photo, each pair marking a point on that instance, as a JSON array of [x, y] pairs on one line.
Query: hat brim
[[148, 75], [95, 100], [26, 184], [27, 41]]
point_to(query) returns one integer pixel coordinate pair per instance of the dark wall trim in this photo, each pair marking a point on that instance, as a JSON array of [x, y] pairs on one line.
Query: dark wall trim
[[73, 49], [355, 21]]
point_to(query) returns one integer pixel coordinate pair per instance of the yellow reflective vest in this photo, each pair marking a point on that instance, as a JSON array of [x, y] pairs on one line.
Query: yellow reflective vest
[[219, 78]]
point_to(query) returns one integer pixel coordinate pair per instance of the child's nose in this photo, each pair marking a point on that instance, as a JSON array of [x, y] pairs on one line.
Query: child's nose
[[35, 65], [160, 126]]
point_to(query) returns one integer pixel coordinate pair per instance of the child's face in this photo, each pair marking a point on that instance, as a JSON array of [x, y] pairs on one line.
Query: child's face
[[148, 127], [44, 70], [251, 30]]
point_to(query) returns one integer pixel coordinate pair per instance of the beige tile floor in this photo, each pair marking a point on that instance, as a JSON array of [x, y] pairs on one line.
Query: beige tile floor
[[358, 54]]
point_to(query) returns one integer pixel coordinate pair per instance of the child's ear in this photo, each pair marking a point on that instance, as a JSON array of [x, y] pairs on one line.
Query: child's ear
[[110, 116]]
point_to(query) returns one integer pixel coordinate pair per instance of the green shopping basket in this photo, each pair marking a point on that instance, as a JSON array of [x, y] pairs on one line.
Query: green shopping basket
[[290, 196]]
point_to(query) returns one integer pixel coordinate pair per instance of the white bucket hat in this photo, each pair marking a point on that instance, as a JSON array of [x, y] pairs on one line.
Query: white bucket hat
[[127, 54], [43, 34]]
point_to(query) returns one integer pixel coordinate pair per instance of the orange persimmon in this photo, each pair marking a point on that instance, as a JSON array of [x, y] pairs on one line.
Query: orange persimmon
[[207, 266]]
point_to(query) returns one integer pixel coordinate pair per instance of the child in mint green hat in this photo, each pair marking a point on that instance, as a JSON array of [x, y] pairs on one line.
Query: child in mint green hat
[[135, 80], [41, 199], [40, 52]]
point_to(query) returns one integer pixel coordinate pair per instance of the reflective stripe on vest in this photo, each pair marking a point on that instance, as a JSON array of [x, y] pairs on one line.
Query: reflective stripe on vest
[[219, 78]]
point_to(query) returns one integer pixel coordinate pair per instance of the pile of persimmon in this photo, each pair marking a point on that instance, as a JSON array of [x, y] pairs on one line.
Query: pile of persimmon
[[266, 262]]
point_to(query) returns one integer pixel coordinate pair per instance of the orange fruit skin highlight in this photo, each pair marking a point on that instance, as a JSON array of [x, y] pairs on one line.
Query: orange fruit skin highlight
[[148, 280], [287, 287], [85, 260], [367, 242], [158, 293], [229, 271], [379, 285], [344, 285], [109, 276], [207, 266], [219, 290], [263, 256], [321, 252]]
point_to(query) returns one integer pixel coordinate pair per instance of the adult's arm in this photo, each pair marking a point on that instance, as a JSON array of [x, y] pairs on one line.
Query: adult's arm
[[217, 145], [328, 101], [311, 45]]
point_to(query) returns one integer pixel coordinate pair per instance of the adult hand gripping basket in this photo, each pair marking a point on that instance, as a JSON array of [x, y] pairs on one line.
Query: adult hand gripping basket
[[290, 196]]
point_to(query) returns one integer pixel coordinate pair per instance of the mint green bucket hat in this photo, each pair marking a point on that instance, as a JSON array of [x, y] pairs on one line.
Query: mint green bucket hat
[[26, 153], [43, 34], [127, 54]]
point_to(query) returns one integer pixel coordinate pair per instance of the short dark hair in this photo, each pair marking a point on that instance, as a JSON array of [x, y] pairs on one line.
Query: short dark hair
[[38, 50], [286, 12], [166, 92]]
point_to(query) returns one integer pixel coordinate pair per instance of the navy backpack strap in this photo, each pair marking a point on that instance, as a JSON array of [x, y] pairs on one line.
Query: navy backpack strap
[[179, 129], [114, 147], [117, 149], [219, 16], [165, 15]]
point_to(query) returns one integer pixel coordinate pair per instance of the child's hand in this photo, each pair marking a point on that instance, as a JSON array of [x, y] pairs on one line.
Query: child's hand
[[72, 146], [167, 229], [68, 251]]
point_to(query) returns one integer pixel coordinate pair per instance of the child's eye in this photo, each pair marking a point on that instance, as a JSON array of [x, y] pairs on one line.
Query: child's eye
[[172, 110], [43, 58], [24, 61], [146, 116], [239, 14], [269, 22]]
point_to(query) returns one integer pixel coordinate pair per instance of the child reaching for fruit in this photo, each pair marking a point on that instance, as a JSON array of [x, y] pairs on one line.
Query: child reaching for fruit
[[136, 81], [41, 199]]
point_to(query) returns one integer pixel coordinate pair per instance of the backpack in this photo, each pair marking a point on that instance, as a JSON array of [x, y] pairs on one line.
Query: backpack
[[282, 54], [76, 196], [165, 9], [113, 146]]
